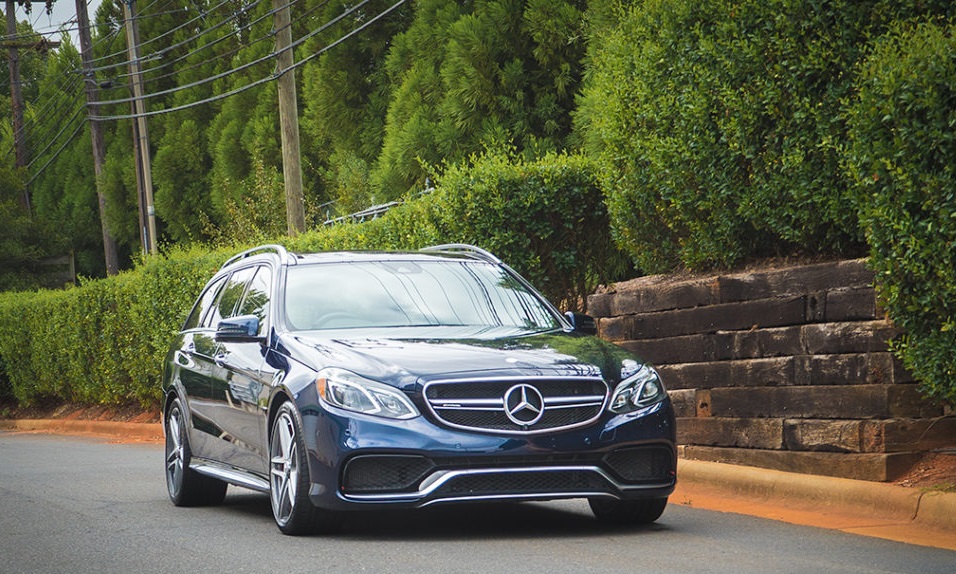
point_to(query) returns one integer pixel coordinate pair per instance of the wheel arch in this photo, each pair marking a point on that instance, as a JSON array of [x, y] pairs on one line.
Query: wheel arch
[[171, 395], [279, 397]]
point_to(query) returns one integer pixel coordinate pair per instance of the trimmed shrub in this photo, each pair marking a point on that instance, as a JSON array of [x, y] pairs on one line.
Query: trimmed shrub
[[103, 342], [545, 218], [902, 155], [720, 125]]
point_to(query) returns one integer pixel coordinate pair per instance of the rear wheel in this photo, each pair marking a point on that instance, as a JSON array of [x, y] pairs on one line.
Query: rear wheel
[[628, 511], [289, 478], [186, 486]]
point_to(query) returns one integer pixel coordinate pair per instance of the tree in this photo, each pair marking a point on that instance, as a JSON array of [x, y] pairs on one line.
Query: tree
[[487, 74]]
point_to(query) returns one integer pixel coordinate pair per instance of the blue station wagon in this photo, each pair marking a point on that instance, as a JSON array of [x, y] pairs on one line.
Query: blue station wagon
[[356, 381]]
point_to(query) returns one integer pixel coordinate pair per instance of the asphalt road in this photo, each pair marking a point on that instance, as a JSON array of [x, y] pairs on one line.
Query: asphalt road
[[75, 505]]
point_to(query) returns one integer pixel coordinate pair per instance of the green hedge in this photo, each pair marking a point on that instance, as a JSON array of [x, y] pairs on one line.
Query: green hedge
[[903, 157], [101, 343], [721, 125], [104, 342], [730, 130]]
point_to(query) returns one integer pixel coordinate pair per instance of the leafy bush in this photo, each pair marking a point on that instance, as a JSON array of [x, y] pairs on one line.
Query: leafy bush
[[546, 218], [102, 343], [902, 155], [720, 124]]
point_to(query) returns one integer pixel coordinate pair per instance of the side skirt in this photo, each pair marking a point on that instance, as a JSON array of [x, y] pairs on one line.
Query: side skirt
[[230, 474]]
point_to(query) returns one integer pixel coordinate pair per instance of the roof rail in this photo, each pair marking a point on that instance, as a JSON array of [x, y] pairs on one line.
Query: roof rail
[[478, 252], [277, 249]]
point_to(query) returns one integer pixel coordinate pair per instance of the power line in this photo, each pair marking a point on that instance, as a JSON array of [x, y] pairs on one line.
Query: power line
[[270, 34], [269, 78], [72, 137], [201, 15], [208, 45], [267, 58]]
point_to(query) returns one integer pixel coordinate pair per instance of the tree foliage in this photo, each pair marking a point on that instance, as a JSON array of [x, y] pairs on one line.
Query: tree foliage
[[721, 124], [479, 74]]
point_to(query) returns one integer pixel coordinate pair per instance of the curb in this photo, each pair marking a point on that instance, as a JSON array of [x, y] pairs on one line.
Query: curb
[[862, 507], [110, 429], [869, 508]]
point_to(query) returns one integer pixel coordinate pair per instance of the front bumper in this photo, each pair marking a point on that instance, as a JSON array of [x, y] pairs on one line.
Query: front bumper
[[360, 462]]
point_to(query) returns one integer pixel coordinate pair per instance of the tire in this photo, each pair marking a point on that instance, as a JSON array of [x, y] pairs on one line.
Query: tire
[[289, 479], [627, 512], [186, 486]]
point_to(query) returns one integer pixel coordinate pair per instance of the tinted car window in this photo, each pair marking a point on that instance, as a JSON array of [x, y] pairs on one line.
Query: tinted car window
[[229, 297], [411, 293], [256, 300], [205, 302]]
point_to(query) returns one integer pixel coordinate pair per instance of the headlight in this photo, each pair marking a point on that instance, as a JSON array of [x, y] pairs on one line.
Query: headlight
[[642, 388], [349, 391]]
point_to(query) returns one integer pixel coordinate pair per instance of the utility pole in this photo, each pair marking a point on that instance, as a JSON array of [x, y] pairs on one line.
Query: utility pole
[[99, 147], [288, 119], [132, 41], [16, 97]]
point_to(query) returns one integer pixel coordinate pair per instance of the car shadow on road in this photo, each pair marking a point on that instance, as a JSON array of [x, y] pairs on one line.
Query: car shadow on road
[[469, 521]]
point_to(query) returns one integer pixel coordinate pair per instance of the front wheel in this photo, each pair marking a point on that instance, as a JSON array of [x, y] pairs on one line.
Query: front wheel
[[289, 478], [186, 486], [631, 512]]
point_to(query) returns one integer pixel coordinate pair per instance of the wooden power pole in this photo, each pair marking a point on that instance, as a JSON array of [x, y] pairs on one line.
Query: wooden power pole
[[132, 40], [289, 119], [99, 147], [16, 96]]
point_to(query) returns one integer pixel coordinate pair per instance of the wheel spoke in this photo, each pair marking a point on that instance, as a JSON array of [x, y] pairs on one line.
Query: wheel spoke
[[173, 430], [293, 476]]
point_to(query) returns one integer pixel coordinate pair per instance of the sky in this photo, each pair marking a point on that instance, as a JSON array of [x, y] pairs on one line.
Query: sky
[[64, 13]]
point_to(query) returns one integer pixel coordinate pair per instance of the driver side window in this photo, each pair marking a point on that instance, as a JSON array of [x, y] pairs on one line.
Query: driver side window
[[256, 299], [229, 297]]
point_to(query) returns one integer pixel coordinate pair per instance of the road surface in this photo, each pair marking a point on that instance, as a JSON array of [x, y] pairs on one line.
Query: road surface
[[73, 504]]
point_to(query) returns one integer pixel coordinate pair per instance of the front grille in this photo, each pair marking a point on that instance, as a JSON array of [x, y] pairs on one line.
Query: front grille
[[641, 464], [517, 405]]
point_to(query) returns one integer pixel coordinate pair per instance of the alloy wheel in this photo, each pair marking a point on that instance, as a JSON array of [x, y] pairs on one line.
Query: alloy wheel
[[284, 471], [174, 451]]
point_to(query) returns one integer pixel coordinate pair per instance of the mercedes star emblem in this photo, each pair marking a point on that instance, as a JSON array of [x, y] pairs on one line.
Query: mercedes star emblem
[[524, 405]]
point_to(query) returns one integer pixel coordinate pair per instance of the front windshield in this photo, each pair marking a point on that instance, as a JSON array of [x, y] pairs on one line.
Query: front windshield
[[429, 293]]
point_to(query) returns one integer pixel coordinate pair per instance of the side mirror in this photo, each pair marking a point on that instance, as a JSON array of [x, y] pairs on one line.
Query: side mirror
[[241, 328], [582, 323]]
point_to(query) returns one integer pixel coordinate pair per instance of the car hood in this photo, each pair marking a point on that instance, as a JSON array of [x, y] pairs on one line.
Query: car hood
[[404, 361]]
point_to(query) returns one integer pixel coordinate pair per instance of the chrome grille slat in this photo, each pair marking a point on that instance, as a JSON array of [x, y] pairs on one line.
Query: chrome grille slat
[[482, 404]]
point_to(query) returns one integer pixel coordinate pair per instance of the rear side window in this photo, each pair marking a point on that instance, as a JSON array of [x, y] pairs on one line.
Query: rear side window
[[205, 302]]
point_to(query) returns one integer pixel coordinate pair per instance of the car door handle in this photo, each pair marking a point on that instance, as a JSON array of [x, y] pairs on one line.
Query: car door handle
[[184, 359]]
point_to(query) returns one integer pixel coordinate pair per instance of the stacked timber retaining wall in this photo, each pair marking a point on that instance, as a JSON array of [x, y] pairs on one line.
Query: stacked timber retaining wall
[[784, 368]]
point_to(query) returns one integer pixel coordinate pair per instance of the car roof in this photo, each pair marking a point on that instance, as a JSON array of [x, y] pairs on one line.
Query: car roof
[[456, 251]]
